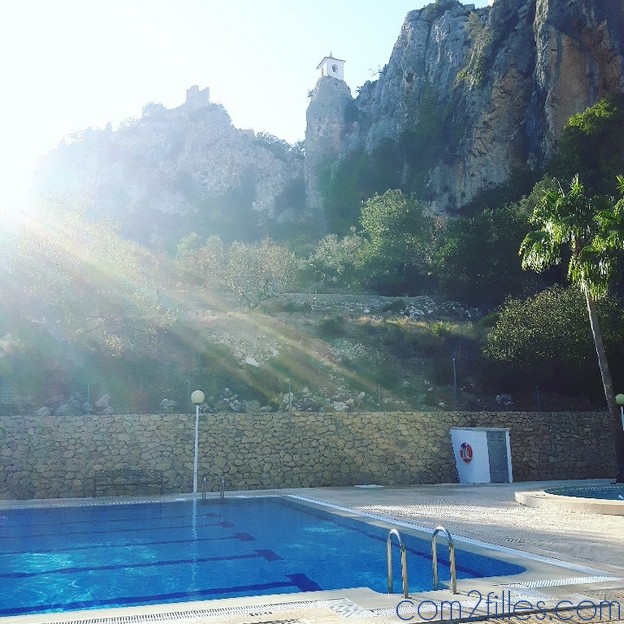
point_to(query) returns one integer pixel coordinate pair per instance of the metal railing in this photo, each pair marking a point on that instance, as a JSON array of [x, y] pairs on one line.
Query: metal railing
[[221, 488], [434, 557], [403, 560]]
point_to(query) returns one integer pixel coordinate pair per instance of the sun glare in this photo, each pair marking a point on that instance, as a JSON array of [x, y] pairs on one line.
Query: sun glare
[[12, 216], [20, 163]]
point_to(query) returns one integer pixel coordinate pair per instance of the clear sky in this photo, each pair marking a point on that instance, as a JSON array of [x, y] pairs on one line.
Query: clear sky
[[72, 64]]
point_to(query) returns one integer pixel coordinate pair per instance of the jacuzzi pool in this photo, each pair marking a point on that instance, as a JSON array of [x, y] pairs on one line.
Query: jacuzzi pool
[[600, 498], [613, 492]]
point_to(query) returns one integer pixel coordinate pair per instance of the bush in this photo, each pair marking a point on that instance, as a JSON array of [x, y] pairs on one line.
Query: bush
[[440, 329], [258, 272], [477, 257], [336, 261], [399, 234], [546, 341], [332, 327]]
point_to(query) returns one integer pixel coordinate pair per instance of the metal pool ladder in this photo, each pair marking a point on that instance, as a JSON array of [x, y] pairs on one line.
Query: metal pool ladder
[[221, 488], [403, 560], [434, 557]]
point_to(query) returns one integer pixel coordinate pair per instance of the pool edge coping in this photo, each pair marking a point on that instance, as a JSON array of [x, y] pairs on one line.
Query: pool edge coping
[[513, 552], [543, 498]]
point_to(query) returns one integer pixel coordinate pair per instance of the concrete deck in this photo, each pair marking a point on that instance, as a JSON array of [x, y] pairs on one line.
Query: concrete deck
[[486, 513]]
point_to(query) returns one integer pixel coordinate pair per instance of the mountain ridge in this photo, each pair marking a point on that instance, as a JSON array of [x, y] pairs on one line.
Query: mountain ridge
[[468, 99], [176, 171], [470, 96]]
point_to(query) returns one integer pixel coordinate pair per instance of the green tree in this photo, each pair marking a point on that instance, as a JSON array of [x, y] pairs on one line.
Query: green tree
[[344, 186], [477, 259], [278, 147], [204, 264], [591, 229], [336, 261], [154, 109], [260, 271], [593, 143], [545, 341], [398, 241]]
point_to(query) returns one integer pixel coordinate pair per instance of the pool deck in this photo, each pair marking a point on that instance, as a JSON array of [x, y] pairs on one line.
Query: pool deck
[[593, 544]]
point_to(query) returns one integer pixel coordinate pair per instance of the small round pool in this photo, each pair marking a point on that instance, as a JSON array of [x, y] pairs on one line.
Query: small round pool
[[602, 498], [605, 492]]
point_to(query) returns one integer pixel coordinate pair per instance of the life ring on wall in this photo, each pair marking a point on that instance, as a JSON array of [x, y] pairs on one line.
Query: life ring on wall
[[465, 452]]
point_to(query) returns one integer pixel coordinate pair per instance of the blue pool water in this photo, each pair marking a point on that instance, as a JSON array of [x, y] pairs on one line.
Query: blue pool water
[[61, 559], [605, 492]]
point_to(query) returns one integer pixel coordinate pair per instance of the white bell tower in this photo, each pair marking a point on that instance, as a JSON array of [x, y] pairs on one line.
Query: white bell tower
[[331, 66]]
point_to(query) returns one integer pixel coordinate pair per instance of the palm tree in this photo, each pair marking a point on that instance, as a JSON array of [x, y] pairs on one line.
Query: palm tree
[[592, 228]]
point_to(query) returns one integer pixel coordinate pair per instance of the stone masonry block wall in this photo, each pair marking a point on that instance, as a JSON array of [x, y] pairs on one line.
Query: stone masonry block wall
[[57, 457]]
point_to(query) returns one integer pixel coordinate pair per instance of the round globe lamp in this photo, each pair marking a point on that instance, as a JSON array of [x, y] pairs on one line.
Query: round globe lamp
[[619, 399]]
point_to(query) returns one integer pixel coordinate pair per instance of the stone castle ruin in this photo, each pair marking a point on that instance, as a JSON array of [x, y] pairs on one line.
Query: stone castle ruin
[[196, 98]]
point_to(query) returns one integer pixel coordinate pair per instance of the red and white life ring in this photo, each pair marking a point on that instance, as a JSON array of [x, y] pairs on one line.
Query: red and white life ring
[[465, 452]]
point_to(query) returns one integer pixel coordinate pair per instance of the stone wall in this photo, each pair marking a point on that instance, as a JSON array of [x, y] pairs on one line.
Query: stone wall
[[57, 457]]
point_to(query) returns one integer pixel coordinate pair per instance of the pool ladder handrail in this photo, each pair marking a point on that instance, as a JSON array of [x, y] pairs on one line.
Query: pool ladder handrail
[[403, 560], [434, 557], [221, 488]]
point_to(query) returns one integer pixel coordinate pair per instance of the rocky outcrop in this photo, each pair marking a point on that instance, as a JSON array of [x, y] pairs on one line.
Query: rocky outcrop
[[468, 97], [326, 124], [175, 171], [579, 58], [471, 95]]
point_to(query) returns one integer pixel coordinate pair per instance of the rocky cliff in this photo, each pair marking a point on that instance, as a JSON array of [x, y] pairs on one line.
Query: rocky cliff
[[175, 171], [325, 125], [468, 97]]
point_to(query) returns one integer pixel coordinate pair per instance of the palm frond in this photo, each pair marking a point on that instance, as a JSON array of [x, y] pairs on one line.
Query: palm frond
[[539, 251]]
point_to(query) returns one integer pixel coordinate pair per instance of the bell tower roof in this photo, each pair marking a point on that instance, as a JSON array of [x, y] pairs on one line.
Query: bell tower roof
[[332, 66]]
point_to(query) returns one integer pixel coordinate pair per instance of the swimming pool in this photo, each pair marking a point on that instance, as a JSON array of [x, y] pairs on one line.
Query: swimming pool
[[86, 557]]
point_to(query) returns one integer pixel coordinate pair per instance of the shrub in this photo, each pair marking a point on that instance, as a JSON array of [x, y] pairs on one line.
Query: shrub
[[546, 340], [332, 327]]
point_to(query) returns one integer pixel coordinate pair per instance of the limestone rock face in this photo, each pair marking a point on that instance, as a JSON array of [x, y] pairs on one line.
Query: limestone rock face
[[428, 53], [579, 57], [326, 124], [175, 171], [470, 95]]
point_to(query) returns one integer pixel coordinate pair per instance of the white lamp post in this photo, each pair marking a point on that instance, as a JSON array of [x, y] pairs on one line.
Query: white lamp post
[[619, 399], [290, 396], [197, 397]]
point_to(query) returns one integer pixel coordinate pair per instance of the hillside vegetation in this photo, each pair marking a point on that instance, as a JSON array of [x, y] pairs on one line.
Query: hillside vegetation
[[408, 310], [93, 323]]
